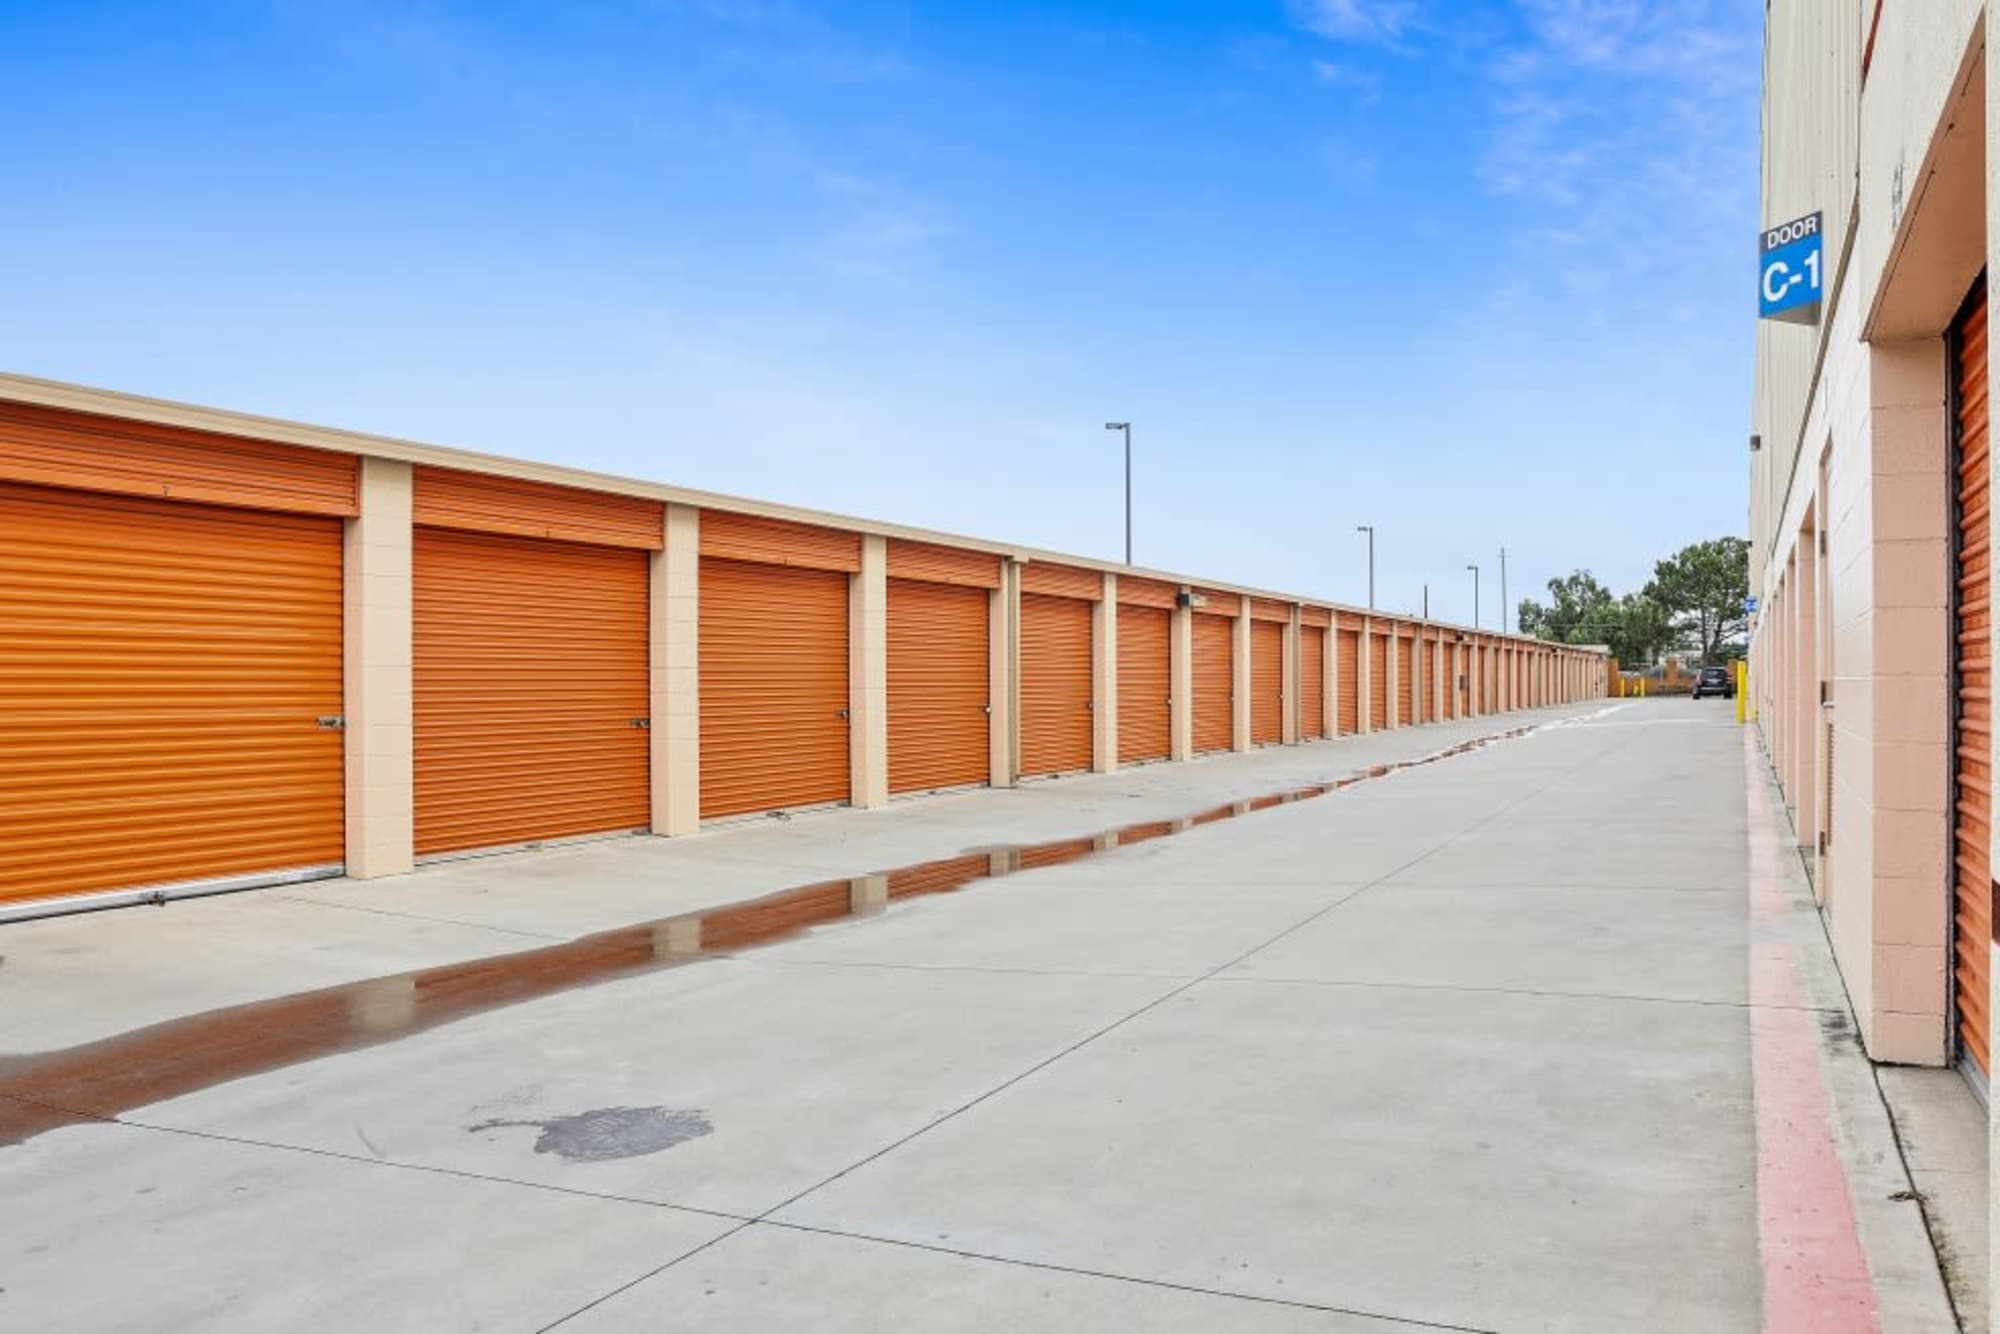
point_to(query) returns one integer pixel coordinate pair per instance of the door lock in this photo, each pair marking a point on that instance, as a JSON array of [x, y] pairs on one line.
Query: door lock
[[332, 722], [643, 724], [840, 713]]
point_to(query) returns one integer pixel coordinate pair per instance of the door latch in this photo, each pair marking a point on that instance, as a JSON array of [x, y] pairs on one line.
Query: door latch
[[643, 724], [332, 722], [840, 714]]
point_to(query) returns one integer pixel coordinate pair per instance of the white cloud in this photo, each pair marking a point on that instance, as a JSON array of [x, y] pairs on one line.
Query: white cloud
[[1383, 22], [1366, 83]]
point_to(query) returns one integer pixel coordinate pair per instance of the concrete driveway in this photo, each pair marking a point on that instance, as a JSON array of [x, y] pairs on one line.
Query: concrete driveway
[[1481, 1043]]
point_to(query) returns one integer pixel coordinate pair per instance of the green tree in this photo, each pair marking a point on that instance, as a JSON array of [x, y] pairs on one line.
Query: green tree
[[1702, 588], [1581, 610], [1578, 609], [1641, 629]]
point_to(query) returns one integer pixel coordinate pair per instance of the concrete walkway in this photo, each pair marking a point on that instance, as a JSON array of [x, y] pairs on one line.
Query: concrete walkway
[[1481, 1044]]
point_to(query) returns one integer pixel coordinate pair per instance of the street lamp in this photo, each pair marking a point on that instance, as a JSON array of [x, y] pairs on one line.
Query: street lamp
[[1475, 595], [1369, 529], [1126, 427], [1503, 590]]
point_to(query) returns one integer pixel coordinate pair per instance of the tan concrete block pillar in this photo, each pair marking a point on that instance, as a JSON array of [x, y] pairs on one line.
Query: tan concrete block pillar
[[1180, 667], [1364, 712], [868, 676], [1004, 657], [378, 664], [1104, 680], [1396, 669], [1331, 704], [1290, 714], [1239, 679], [674, 671]]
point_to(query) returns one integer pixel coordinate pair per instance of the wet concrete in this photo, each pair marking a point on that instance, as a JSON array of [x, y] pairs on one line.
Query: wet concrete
[[1270, 1073], [107, 1078], [608, 1133]]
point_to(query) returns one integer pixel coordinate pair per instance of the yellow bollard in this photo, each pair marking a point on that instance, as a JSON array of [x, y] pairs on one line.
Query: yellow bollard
[[1742, 693]]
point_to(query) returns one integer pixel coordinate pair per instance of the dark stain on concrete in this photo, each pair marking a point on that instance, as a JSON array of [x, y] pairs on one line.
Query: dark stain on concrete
[[610, 1133]]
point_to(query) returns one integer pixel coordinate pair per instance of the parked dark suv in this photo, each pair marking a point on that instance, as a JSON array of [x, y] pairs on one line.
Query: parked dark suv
[[1715, 681]]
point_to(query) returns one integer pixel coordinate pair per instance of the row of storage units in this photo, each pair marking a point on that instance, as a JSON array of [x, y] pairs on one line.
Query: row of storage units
[[241, 652]]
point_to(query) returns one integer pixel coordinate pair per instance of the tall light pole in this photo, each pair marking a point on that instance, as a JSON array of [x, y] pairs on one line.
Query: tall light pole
[[1126, 427], [1503, 590], [1369, 529], [1475, 595]]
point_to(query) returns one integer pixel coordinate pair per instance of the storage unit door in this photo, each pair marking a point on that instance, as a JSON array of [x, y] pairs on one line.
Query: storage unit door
[[531, 690], [1378, 681], [1973, 807], [939, 674], [1214, 676], [773, 654], [1312, 682], [1267, 683], [163, 671], [1055, 684], [1406, 649], [1350, 682], [1145, 683]]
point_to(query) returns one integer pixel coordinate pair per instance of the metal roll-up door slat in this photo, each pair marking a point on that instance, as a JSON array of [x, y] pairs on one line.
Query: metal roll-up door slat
[[1055, 684], [1267, 683], [55, 447], [1973, 672], [531, 690], [1350, 682], [774, 688], [1312, 682], [1378, 681], [939, 686], [1145, 683], [1214, 678], [163, 672]]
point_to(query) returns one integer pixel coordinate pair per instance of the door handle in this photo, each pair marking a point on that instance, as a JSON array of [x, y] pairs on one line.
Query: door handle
[[840, 713], [643, 724]]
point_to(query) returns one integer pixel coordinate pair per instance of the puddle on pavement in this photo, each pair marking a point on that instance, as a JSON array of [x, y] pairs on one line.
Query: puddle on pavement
[[104, 1079]]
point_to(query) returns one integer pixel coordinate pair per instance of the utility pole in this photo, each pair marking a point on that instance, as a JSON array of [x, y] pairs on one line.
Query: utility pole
[[1427, 602], [1126, 427], [1475, 595], [1503, 590], [1369, 529]]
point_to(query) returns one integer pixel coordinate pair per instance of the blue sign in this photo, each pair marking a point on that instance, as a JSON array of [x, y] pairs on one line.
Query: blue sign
[[1789, 275], [1750, 605]]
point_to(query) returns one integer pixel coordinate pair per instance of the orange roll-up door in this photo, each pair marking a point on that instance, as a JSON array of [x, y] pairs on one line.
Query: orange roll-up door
[[939, 675], [774, 688], [163, 672], [1214, 676], [1145, 683], [1350, 681], [1378, 681], [1312, 682], [1972, 809], [1055, 684], [1267, 683], [531, 689]]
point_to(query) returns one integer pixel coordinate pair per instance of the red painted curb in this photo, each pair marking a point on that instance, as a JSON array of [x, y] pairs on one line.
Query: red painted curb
[[1816, 1278]]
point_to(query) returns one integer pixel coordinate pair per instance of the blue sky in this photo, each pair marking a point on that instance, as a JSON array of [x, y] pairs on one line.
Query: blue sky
[[1478, 272]]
